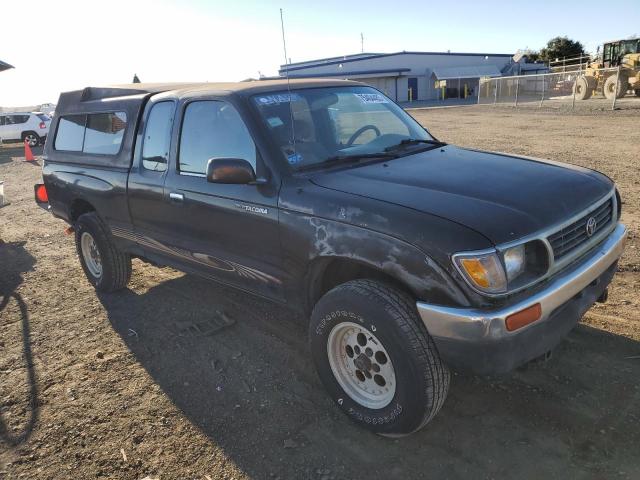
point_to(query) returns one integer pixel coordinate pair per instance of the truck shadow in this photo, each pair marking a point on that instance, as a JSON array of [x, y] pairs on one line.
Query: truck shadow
[[15, 261], [239, 370], [9, 151]]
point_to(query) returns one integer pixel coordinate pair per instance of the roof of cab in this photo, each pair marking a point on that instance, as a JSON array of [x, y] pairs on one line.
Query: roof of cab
[[248, 87]]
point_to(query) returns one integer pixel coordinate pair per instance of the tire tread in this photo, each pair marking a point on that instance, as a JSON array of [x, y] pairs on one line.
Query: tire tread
[[404, 311], [116, 264]]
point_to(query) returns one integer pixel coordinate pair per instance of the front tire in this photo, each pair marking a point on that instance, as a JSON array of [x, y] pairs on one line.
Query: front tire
[[376, 358], [106, 268], [582, 89]]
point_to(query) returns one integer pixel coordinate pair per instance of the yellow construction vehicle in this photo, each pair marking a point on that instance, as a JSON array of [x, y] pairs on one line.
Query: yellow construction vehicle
[[621, 53]]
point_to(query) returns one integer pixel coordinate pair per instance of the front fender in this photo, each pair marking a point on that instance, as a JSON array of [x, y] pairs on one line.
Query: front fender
[[309, 241]]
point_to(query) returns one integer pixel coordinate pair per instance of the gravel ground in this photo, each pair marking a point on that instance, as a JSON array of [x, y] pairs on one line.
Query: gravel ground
[[177, 377]]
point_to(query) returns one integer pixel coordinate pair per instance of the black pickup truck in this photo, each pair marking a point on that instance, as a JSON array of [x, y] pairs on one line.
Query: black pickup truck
[[409, 255]]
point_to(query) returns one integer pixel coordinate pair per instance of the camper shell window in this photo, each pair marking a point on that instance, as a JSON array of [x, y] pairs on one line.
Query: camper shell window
[[93, 133]]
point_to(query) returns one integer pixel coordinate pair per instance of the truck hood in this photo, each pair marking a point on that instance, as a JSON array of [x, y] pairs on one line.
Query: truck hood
[[501, 196]]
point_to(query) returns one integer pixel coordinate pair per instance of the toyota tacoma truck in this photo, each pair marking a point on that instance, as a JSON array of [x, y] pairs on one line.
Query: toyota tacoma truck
[[409, 256]]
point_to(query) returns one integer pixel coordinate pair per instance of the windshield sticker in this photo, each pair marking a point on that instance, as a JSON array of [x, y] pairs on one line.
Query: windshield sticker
[[294, 158], [278, 99], [371, 98], [275, 122]]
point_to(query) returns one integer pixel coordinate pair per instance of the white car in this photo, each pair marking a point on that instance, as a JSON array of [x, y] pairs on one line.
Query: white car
[[32, 127]]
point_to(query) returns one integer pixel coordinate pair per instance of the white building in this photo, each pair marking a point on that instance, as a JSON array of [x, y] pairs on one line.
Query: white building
[[406, 76]]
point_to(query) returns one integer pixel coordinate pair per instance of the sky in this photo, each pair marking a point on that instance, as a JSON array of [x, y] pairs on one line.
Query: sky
[[65, 45]]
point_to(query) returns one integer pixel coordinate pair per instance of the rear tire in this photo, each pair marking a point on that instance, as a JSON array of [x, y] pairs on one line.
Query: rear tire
[[32, 138], [106, 268], [581, 89], [376, 358], [637, 92]]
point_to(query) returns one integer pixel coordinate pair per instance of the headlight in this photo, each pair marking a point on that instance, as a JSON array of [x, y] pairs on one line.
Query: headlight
[[514, 262], [504, 270]]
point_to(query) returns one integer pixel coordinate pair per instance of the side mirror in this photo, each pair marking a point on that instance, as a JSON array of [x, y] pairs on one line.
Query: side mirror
[[230, 170]]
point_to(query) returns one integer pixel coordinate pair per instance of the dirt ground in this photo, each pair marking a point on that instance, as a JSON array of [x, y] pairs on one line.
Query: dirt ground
[[149, 382]]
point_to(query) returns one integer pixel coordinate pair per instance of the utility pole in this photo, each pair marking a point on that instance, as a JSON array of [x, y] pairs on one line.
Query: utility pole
[[361, 43]]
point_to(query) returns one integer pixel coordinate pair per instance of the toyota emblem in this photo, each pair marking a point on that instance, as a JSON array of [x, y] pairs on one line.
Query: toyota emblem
[[591, 226]]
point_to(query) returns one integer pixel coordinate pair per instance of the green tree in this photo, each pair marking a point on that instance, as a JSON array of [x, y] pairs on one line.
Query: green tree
[[561, 47], [532, 56]]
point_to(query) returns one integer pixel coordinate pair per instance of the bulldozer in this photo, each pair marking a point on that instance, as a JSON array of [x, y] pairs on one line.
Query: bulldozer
[[621, 53]]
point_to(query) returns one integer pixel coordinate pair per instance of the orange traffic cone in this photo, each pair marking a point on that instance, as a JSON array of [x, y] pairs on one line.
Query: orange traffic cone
[[28, 154]]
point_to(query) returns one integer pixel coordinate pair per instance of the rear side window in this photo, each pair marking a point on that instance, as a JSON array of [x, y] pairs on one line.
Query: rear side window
[[104, 132], [19, 119], [70, 133], [15, 119], [213, 129], [157, 137], [95, 133]]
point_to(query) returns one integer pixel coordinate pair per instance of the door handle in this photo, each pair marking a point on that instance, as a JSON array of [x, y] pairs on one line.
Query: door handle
[[176, 197]]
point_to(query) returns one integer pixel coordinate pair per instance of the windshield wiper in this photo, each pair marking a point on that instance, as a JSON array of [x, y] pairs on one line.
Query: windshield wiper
[[414, 141], [346, 159]]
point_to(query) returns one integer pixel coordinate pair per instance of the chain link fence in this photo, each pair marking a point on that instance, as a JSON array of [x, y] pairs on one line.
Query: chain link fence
[[598, 89]]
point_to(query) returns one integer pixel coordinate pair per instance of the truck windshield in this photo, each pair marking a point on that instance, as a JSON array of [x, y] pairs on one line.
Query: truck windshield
[[317, 127]]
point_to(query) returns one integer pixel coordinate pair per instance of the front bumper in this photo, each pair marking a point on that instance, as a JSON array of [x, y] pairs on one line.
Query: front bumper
[[478, 341]]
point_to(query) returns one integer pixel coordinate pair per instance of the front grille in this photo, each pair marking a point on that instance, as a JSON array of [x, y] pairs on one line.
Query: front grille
[[571, 237]]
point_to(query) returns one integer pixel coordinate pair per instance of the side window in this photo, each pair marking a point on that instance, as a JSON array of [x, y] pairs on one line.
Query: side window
[[213, 129], [104, 133], [96, 133], [70, 133], [17, 119], [157, 137], [2, 121]]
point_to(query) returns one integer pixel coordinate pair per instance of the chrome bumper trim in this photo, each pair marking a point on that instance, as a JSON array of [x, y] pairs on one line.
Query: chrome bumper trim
[[468, 324]]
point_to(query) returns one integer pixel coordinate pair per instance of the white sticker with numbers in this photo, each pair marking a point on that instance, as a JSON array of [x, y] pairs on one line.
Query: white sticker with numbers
[[371, 98]]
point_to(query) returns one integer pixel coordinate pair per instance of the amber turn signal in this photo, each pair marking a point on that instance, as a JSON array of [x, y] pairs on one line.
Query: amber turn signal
[[523, 317]]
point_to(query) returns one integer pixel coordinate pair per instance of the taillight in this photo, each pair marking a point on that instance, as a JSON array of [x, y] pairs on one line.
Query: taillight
[[43, 125], [41, 193]]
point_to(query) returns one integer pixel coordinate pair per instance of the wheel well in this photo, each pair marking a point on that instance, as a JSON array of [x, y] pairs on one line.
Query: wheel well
[[27, 132], [79, 207], [330, 273]]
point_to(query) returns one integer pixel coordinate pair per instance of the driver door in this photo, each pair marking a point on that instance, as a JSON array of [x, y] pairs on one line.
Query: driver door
[[224, 231]]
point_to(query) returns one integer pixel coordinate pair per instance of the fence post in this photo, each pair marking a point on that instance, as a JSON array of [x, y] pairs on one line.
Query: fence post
[[542, 99], [495, 92], [517, 86], [573, 100], [615, 94]]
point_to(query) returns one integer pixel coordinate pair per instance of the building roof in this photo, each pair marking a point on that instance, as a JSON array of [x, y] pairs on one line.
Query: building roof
[[356, 56], [472, 71], [386, 72], [367, 56], [4, 66]]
